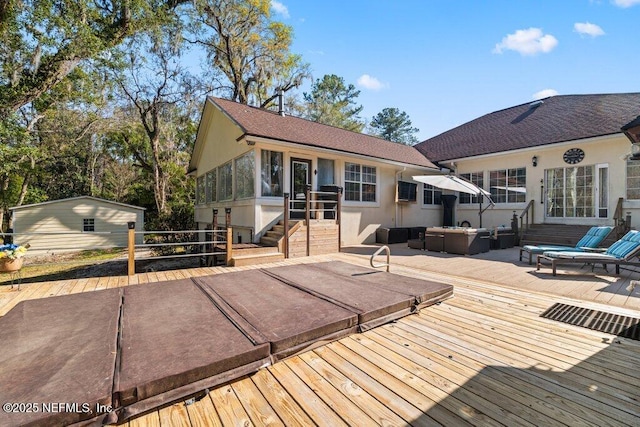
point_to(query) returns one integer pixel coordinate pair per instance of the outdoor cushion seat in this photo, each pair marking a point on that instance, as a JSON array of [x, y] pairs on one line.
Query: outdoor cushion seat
[[389, 236], [374, 306], [621, 252], [416, 244], [59, 349], [592, 239], [269, 310], [502, 238], [434, 240], [466, 241]]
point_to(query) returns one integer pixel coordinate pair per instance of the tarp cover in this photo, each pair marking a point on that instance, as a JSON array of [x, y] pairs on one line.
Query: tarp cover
[[373, 305], [289, 318], [58, 350], [141, 347], [425, 292], [172, 336]]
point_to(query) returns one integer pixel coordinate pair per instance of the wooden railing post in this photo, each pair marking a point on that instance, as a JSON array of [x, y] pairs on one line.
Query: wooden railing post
[[285, 249], [131, 245], [307, 215], [229, 246], [214, 226], [227, 217], [339, 217]]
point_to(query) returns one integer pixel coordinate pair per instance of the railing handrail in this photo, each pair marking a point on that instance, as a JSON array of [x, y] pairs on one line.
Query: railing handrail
[[376, 253], [525, 211], [227, 241]]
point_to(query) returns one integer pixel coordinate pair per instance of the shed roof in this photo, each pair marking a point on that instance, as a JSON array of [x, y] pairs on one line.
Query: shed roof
[[552, 120], [91, 198], [269, 124]]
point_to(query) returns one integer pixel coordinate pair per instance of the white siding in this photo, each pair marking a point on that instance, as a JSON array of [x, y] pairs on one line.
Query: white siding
[[66, 216]]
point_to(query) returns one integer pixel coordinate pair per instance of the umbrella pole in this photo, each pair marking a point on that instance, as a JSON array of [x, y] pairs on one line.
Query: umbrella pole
[[480, 209]]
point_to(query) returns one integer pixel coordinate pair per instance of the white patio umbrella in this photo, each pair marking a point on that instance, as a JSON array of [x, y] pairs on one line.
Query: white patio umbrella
[[455, 183]]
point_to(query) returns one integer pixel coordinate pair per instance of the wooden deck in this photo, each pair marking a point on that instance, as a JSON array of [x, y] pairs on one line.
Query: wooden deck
[[483, 357]]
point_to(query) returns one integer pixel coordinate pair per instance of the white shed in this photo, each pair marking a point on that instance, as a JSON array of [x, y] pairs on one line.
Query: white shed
[[75, 224]]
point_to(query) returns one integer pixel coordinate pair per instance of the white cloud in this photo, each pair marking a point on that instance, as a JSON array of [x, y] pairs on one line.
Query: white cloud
[[589, 29], [625, 3], [528, 42], [545, 93], [369, 82], [280, 8]]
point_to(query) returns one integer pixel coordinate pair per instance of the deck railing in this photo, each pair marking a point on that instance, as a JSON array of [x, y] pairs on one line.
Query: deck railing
[[317, 205], [621, 224], [159, 244], [526, 218], [218, 245]]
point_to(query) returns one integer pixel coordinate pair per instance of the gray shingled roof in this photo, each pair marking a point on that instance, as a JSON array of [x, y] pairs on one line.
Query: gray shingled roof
[[269, 124], [558, 119]]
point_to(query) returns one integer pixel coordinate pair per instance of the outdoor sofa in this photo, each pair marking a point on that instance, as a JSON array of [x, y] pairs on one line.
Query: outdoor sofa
[[621, 252], [589, 241], [502, 238], [458, 240]]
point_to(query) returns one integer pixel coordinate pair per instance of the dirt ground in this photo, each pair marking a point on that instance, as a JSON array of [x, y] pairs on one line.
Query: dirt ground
[[41, 268]]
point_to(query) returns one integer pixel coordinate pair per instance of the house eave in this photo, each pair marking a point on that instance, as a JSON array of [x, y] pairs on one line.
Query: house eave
[[293, 144], [537, 148]]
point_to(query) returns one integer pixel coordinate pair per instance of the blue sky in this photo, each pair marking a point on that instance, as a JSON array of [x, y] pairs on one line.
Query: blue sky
[[446, 62]]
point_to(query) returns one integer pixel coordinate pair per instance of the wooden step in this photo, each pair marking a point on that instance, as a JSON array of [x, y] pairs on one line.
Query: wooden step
[[244, 260], [269, 241], [273, 234], [260, 250]]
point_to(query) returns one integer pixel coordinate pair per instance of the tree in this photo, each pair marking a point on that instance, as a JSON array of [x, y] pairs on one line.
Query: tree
[[159, 97], [394, 125], [250, 50], [333, 103], [43, 41]]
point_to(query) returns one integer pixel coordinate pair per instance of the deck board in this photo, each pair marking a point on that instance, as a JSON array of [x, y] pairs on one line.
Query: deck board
[[483, 357]]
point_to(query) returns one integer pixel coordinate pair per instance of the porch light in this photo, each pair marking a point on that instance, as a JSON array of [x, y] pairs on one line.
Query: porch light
[[635, 151], [632, 131], [534, 161]]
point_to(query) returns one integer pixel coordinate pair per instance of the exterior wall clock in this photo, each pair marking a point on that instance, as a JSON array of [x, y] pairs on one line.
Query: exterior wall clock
[[573, 156]]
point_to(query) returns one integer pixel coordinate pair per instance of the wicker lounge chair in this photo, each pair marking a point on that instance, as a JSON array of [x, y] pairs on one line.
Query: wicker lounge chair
[[591, 240], [620, 253]]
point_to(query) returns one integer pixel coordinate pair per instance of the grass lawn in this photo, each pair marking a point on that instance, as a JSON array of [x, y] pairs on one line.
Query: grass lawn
[[68, 266]]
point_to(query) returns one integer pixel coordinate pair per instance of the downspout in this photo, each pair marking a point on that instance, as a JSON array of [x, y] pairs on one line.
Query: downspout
[[395, 220]]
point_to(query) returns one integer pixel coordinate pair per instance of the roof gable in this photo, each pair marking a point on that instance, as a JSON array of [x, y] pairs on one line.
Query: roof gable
[[90, 198], [258, 122], [556, 119]]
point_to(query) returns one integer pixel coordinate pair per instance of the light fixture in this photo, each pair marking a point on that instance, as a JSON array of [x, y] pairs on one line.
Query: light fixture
[[534, 161], [632, 131], [635, 151], [251, 143]]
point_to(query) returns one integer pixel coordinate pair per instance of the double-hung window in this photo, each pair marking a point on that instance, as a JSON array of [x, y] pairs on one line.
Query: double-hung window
[[476, 178], [88, 224], [431, 195], [508, 185], [360, 182]]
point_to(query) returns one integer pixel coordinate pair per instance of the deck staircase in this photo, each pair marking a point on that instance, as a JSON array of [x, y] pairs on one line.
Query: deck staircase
[[324, 240], [270, 248], [559, 234], [274, 237], [255, 254]]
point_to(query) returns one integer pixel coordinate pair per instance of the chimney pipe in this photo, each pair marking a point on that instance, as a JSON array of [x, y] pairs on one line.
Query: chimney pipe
[[281, 102]]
